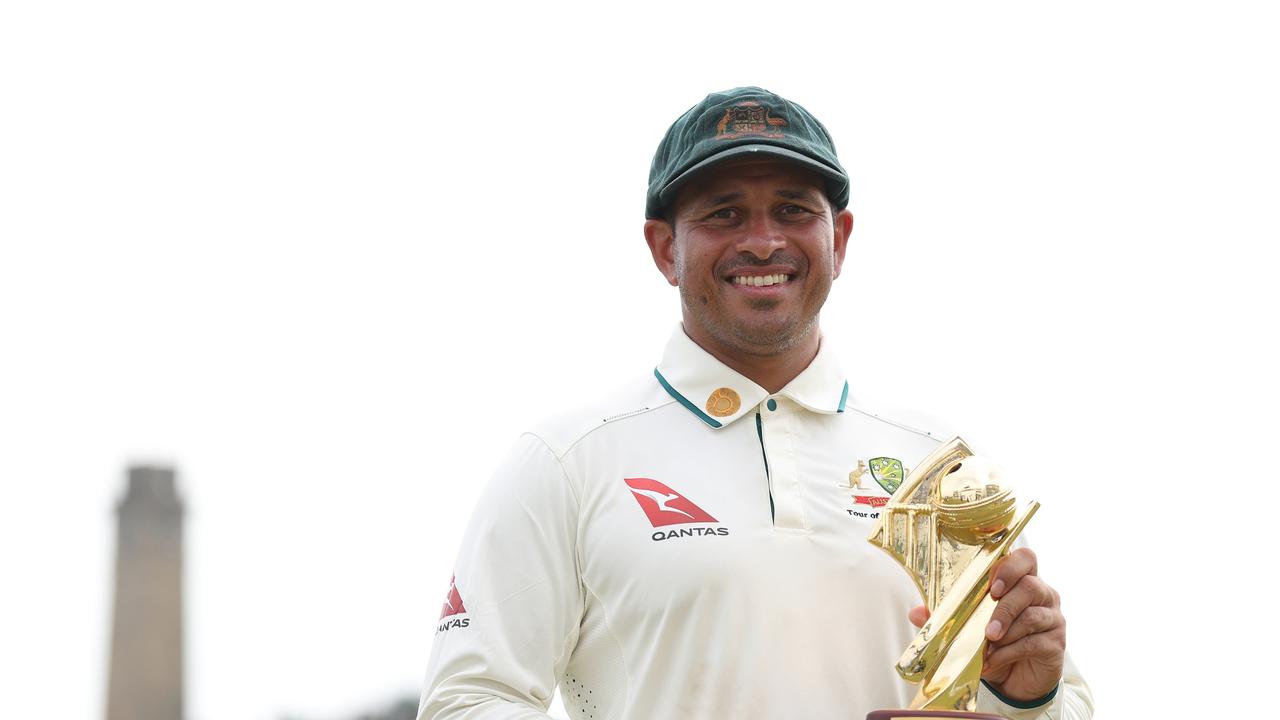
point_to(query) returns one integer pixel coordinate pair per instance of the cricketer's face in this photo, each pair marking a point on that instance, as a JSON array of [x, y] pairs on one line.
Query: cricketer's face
[[754, 248]]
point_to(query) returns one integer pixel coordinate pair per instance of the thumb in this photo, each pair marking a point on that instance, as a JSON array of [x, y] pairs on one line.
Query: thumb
[[918, 615]]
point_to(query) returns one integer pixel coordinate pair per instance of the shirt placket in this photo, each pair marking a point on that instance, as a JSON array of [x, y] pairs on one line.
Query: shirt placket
[[778, 424]]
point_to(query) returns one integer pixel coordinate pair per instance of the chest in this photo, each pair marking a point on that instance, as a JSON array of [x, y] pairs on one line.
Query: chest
[[767, 515]]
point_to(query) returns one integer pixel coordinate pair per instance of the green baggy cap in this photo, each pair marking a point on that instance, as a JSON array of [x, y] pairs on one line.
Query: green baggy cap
[[739, 122]]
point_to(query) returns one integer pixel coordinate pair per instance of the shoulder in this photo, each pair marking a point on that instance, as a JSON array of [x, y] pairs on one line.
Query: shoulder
[[614, 407], [904, 419]]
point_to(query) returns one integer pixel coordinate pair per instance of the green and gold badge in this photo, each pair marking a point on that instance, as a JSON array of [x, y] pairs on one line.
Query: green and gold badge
[[888, 472]]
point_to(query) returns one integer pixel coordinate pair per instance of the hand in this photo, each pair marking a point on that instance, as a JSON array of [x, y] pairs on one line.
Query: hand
[[1027, 636]]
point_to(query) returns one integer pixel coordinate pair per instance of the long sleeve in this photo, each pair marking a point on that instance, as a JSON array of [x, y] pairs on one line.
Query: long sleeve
[[513, 613], [1072, 701]]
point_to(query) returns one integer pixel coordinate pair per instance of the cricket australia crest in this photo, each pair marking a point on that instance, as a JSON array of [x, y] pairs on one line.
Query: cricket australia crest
[[888, 472]]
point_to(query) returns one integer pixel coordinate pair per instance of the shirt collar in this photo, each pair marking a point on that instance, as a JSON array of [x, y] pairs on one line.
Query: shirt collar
[[718, 395]]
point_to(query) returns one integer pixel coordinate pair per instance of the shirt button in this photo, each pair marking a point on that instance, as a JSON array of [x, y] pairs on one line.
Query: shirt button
[[772, 404]]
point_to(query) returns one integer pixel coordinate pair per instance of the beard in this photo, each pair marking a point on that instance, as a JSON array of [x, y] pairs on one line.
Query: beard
[[761, 331]]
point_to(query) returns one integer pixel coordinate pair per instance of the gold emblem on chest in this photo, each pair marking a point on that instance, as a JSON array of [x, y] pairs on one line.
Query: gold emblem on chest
[[855, 477]]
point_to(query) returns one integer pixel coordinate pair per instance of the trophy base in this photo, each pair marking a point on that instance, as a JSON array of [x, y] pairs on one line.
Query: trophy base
[[928, 715]]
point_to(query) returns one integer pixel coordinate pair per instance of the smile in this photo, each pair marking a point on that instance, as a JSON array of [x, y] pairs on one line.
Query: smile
[[760, 280]]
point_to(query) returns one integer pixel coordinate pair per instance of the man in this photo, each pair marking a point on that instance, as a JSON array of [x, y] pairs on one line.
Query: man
[[695, 546]]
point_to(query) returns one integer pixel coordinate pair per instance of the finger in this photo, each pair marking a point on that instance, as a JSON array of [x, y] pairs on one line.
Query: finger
[[1034, 619], [995, 675], [1012, 568], [918, 615], [1045, 649], [1029, 591]]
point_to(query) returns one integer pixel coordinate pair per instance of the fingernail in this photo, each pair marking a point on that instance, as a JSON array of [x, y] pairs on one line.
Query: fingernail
[[997, 587], [993, 630]]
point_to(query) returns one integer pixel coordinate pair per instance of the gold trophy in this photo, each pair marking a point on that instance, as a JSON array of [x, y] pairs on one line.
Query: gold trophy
[[947, 525]]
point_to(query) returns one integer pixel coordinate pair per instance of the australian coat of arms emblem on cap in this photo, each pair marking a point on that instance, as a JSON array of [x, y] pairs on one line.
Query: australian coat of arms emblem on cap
[[888, 472], [749, 118]]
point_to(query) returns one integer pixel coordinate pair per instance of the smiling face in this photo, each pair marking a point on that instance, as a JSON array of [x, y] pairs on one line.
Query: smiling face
[[754, 247]]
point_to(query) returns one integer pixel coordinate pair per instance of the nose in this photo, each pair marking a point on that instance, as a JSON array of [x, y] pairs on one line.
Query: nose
[[761, 237]]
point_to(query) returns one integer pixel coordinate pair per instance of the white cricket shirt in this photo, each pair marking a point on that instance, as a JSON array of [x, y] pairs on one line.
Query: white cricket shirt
[[693, 547]]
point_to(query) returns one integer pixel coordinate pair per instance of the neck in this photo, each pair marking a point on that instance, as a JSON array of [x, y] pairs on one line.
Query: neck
[[771, 371]]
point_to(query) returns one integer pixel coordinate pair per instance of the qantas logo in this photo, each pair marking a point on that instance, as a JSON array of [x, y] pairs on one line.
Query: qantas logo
[[452, 601], [452, 606], [665, 506]]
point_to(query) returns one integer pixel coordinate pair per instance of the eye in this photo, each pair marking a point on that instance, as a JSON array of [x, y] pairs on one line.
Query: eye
[[792, 210], [725, 214]]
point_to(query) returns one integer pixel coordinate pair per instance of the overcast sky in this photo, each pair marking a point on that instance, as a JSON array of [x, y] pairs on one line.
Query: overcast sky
[[329, 259]]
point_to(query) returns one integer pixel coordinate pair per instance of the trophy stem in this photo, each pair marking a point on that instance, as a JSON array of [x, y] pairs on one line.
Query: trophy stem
[[953, 684]]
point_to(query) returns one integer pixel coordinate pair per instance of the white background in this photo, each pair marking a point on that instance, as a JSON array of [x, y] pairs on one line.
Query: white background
[[330, 258]]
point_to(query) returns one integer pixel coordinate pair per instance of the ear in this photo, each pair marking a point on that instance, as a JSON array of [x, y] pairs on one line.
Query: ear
[[662, 245], [843, 222]]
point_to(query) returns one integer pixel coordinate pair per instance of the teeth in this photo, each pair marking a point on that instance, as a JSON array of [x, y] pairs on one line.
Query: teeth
[[761, 280]]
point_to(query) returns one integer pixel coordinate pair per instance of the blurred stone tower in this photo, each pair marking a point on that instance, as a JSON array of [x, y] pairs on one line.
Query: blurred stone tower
[[145, 677]]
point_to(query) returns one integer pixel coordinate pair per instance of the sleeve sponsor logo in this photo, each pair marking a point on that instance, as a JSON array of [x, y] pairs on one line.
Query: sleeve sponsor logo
[[452, 606]]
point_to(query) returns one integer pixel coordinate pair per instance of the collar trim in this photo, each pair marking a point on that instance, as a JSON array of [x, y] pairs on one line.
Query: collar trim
[[688, 373], [685, 401]]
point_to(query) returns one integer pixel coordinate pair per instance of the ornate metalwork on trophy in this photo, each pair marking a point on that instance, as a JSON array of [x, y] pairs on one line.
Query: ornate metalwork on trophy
[[947, 525]]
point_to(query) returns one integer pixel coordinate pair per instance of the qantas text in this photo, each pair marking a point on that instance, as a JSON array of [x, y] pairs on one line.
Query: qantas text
[[455, 623], [689, 532]]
